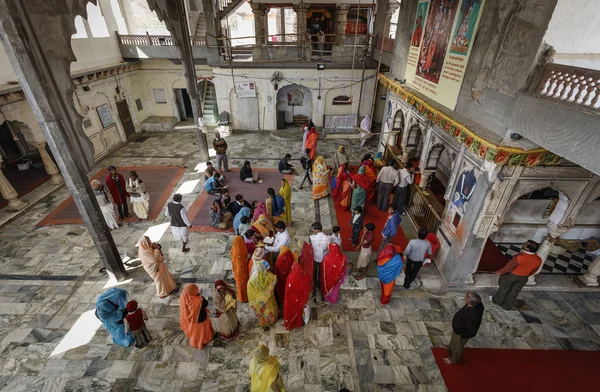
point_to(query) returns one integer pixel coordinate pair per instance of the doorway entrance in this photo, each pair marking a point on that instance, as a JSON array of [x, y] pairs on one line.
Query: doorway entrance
[[125, 116], [184, 104], [294, 106]]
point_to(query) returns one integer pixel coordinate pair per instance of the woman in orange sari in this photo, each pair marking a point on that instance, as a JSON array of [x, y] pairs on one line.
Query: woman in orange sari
[[194, 317], [239, 264], [262, 227], [311, 142], [320, 179], [343, 189], [282, 269], [371, 173], [296, 297], [389, 267]]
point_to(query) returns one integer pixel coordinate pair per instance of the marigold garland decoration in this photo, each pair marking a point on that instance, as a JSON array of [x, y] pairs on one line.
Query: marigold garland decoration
[[501, 155]]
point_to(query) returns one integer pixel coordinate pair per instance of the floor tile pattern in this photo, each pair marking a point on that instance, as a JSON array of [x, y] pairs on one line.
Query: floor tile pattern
[[568, 263]]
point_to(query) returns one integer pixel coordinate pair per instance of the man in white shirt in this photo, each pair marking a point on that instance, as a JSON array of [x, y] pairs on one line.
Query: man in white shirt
[[405, 179], [320, 245], [180, 224], [415, 255], [282, 238], [335, 237], [387, 180]]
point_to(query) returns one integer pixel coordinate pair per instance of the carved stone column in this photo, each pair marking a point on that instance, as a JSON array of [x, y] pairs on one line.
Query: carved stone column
[[260, 30], [9, 193], [341, 19], [55, 177], [554, 234], [388, 19], [590, 278], [405, 153], [425, 174]]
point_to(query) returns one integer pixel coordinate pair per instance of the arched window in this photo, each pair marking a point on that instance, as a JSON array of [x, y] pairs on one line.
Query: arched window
[[434, 157], [342, 100], [398, 121], [414, 136]]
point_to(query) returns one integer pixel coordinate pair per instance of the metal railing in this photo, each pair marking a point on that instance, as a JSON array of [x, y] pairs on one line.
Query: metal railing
[[156, 40], [570, 85], [420, 210]]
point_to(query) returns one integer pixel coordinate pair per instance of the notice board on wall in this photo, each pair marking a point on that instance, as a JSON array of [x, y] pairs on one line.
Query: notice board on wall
[[245, 89], [440, 46]]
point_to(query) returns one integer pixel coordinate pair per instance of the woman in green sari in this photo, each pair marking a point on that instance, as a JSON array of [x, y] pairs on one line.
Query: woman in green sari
[[360, 185]]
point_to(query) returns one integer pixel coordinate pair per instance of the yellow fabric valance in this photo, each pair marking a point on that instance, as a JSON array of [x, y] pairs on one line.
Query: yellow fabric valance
[[490, 151]]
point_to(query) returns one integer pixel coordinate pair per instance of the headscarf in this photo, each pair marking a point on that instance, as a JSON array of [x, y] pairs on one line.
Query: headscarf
[[237, 220], [260, 286], [389, 264], [307, 260], [261, 209], [225, 299], [277, 205], [190, 303], [109, 309], [286, 192], [258, 257], [148, 256], [333, 267], [296, 296], [263, 225], [341, 177], [340, 157], [365, 124], [361, 179], [282, 269], [263, 369]]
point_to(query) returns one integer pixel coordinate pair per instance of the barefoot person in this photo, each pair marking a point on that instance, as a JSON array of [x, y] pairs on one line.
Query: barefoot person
[[180, 224], [225, 301], [246, 173], [194, 317], [138, 196], [153, 262]]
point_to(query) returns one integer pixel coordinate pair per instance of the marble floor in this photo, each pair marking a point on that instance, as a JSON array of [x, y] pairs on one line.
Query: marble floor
[[49, 280]]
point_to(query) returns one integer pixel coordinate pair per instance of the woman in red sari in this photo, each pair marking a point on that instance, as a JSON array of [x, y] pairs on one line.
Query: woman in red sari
[[343, 190], [389, 267], [371, 174], [334, 273], [307, 259], [282, 269], [311, 142], [296, 296]]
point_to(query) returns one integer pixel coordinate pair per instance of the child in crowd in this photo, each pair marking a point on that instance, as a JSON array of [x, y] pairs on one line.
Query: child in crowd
[[335, 237], [135, 322], [245, 225], [365, 250], [357, 224]]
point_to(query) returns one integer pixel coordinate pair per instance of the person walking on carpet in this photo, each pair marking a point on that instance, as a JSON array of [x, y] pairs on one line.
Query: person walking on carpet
[[115, 183], [415, 256], [465, 325], [515, 274], [391, 227], [387, 180]]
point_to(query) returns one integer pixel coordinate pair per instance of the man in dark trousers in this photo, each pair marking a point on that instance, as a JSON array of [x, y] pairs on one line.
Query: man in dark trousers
[[387, 180], [465, 325], [514, 275], [116, 186], [415, 256]]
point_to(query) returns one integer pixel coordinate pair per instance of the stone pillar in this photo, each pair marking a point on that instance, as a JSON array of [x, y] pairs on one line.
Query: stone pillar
[[590, 278], [404, 28], [405, 153], [554, 233], [425, 174], [9, 193], [260, 30], [341, 18], [36, 36], [173, 13], [109, 16], [55, 177]]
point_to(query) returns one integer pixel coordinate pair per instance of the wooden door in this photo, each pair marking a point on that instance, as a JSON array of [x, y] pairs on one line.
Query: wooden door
[[125, 117]]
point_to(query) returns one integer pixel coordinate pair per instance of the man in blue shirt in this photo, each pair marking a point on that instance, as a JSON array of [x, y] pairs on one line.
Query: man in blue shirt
[[391, 226], [214, 186]]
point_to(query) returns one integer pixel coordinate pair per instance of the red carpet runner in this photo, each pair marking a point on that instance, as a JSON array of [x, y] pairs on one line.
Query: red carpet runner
[[160, 182], [498, 370], [492, 258]]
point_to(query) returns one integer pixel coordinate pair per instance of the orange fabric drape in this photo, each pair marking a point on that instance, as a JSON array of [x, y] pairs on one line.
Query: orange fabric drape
[[311, 142], [241, 269], [190, 303]]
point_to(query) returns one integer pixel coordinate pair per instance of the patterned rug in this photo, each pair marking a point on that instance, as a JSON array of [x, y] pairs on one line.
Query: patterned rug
[[160, 182], [199, 211]]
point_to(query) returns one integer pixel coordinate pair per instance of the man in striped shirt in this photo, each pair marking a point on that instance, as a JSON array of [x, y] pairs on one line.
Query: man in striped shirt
[[514, 275]]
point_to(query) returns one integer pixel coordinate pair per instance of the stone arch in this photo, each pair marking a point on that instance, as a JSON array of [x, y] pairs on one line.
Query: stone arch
[[433, 156], [414, 135], [294, 99], [398, 127]]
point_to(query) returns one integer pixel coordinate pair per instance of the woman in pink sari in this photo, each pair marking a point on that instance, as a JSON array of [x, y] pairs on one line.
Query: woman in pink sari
[[259, 209], [334, 273]]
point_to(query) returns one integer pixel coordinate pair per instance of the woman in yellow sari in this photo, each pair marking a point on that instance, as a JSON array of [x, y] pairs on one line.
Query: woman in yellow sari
[[264, 371], [263, 227], [320, 179], [261, 295], [286, 192]]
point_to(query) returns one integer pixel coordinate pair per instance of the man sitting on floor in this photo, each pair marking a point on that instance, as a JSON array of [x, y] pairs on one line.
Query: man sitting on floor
[[214, 186], [238, 204], [284, 165], [210, 171], [246, 173]]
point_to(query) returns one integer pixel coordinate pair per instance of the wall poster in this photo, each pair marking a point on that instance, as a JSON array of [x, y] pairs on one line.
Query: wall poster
[[245, 89], [440, 47]]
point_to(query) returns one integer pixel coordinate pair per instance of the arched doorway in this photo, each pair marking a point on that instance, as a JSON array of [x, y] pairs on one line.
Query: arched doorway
[[526, 218], [294, 106], [208, 96], [398, 127]]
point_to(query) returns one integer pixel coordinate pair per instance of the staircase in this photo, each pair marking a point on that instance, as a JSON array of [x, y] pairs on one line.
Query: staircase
[[225, 7], [201, 26], [210, 111]]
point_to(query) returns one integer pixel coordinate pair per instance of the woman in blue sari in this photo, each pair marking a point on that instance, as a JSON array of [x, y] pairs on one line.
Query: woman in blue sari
[[275, 206], [110, 309], [389, 267], [237, 220]]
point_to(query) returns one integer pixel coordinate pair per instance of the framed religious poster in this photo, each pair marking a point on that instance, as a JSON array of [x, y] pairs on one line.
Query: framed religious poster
[[440, 46]]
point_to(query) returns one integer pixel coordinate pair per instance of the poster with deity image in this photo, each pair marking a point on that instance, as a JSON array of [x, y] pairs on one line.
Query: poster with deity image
[[441, 43]]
